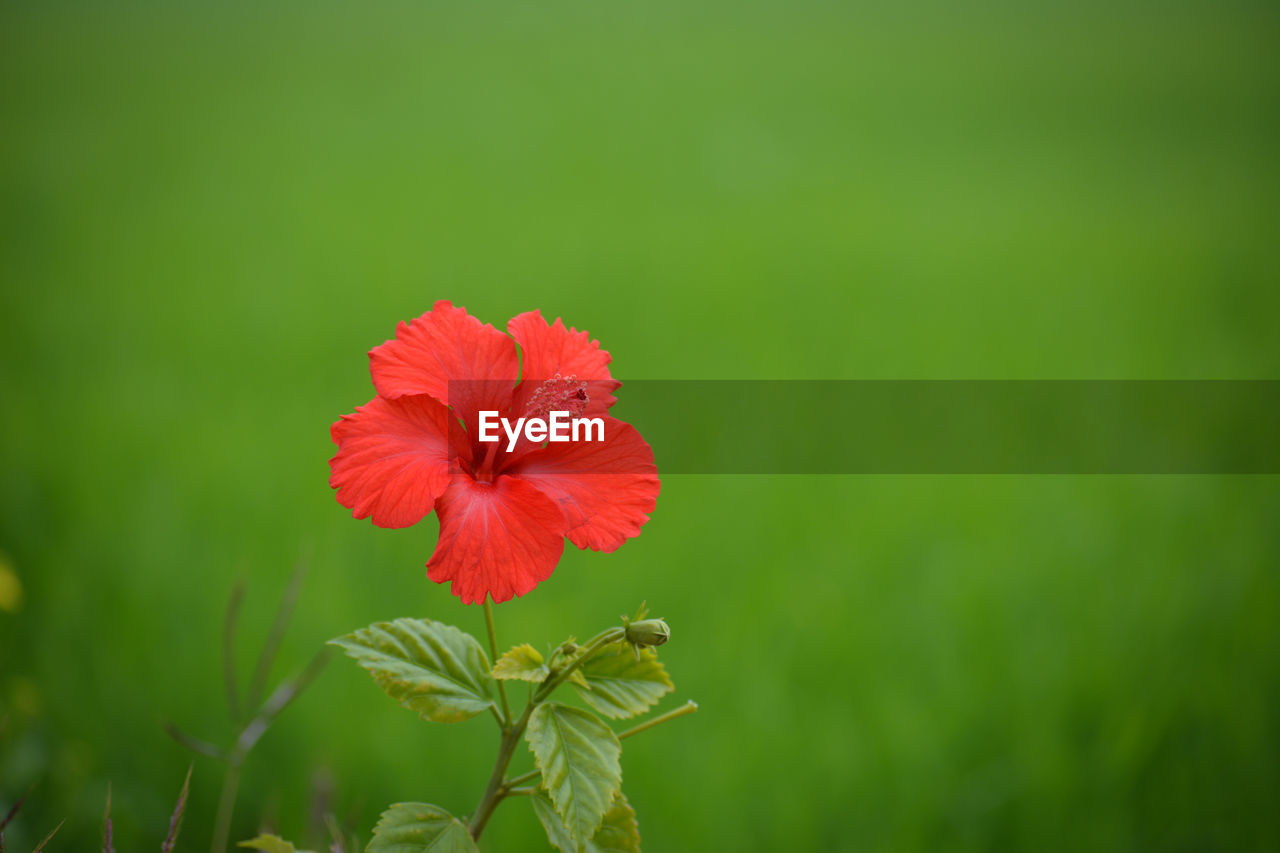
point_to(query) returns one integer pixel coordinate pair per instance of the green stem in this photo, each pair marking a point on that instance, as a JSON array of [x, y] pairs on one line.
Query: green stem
[[227, 804], [687, 708], [604, 638], [245, 741], [495, 790], [493, 648], [522, 778]]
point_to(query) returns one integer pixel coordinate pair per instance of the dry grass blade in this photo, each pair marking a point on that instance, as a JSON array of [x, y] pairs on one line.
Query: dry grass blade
[[291, 689], [106, 825], [259, 684], [279, 700], [40, 846], [229, 650], [335, 833], [194, 743], [10, 814], [175, 821]]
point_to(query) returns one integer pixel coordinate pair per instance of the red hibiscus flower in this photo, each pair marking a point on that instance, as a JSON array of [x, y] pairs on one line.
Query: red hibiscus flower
[[504, 513]]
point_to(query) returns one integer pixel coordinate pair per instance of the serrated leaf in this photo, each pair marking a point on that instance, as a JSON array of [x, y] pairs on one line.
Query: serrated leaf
[[620, 685], [271, 844], [524, 663], [578, 756], [419, 827], [618, 832], [426, 666]]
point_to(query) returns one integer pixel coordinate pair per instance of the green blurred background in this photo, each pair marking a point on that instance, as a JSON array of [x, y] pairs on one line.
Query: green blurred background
[[210, 212]]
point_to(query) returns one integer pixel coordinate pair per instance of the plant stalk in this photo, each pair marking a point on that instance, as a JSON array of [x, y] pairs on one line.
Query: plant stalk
[[227, 803], [496, 790], [493, 792], [687, 708], [493, 649]]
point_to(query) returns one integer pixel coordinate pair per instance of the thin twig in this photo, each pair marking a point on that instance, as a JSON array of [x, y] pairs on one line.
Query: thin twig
[[687, 708], [248, 738], [281, 698], [522, 778], [229, 650], [226, 804], [258, 686], [194, 743]]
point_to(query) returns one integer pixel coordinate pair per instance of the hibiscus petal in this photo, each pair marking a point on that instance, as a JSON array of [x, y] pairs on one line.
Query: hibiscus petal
[[499, 539], [606, 489], [550, 349], [393, 459], [445, 345]]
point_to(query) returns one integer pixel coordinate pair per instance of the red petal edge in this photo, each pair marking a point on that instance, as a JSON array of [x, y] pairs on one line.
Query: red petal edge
[[444, 344], [392, 460], [605, 489], [499, 539], [550, 348]]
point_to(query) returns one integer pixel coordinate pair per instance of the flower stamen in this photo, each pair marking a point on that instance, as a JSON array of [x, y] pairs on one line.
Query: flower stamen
[[558, 394]]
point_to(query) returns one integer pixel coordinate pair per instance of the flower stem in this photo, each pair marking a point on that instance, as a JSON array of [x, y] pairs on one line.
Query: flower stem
[[493, 648], [496, 790]]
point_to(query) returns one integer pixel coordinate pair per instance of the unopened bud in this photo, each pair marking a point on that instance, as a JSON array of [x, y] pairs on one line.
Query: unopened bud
[[648, 632]]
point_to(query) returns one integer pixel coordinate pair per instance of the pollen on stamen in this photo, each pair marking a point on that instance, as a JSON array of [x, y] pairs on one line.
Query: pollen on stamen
[[558, 394]]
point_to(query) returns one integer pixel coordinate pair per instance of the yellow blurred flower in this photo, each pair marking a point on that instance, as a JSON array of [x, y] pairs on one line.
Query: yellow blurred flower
[[10, 586]]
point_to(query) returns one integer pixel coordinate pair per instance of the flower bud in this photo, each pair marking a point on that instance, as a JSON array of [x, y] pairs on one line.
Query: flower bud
[[648, 632]]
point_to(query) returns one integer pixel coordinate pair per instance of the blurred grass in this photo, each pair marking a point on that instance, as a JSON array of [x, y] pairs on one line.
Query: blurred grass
[[209, 213]]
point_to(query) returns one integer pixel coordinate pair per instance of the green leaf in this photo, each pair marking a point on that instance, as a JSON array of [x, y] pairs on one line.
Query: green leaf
[[418, 827], [621, 684], [578, 756], [523, 662], [426, 666], [271, 844], [618, 832]]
